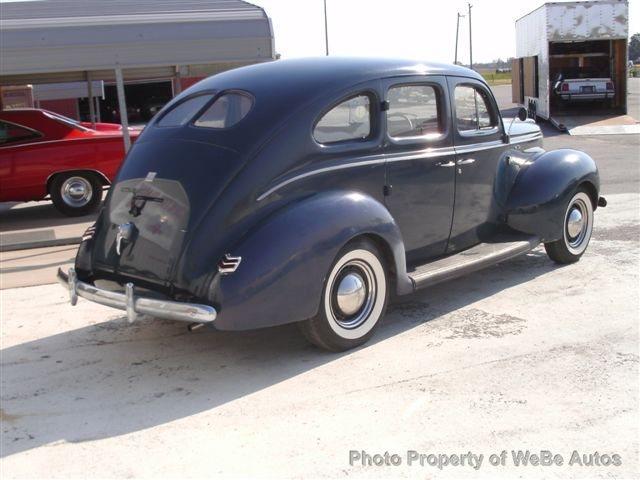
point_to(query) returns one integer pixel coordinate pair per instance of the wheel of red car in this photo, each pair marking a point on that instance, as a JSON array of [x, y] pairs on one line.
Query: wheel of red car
[[578, 225], [76, 194], [354, 299]]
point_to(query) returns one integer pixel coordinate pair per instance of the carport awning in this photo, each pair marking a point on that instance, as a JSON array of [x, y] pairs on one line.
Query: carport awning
[[49, 41]]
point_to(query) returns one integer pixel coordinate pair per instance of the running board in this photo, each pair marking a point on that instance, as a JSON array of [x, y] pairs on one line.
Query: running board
[[476, 258]]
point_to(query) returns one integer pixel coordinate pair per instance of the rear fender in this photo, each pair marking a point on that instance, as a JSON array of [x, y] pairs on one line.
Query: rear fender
[[286, 257], [542, 188]]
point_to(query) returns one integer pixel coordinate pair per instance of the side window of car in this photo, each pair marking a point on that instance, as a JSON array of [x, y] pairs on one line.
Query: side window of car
[[11, 133], [349, 120], [473, 110], [413, 111]]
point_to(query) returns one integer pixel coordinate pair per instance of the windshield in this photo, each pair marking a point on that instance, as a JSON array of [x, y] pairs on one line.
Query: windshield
[[65, 120]]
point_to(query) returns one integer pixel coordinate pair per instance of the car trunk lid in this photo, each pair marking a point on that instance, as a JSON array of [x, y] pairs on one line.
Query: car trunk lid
[[162, 191]]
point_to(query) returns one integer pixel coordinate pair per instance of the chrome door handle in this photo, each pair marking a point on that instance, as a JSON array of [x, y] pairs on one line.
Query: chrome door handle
[[448, 164], [468, 161]]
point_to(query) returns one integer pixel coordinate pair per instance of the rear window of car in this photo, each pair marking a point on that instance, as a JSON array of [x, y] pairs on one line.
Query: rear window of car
[[349, 120], [413, 111], [227, 110], [12, 133], [69, 122], [184, 111]]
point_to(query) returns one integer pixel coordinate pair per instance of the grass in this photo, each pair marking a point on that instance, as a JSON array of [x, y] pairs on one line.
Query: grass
[[494, 78]]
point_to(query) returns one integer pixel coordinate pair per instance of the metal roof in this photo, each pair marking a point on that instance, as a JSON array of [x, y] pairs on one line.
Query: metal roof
[[58, 13], [59, 40]]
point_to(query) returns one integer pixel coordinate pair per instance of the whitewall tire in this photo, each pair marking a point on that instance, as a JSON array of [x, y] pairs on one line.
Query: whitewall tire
[[354, 299], [577, 229]]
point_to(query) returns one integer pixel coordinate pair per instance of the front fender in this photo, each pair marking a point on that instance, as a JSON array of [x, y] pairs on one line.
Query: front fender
[[286, 257], [542, 188]]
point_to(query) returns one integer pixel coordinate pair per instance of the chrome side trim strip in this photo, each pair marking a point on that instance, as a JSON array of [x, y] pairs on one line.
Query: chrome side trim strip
[[429, 153], [364, 161], [92, 170], [477, 147], [317, 172], [377, 159]]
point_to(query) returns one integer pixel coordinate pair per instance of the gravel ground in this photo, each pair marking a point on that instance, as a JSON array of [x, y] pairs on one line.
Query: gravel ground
[[525, 355]]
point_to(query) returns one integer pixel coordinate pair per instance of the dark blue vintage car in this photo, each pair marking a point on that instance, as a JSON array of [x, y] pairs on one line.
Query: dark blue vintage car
[[311, 190]]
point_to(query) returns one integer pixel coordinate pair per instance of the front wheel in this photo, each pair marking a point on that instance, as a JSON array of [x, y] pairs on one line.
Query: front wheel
[[578, 225], [354, 299]]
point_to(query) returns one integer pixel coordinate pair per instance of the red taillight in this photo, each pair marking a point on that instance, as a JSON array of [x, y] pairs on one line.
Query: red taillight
[[609, 85], [565, 87]]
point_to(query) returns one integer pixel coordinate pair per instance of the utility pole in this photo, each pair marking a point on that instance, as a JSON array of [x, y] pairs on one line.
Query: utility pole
[[470, 40], [326, 30], [457, 31]]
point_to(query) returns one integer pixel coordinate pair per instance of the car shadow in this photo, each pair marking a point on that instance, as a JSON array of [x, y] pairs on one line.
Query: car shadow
[[113, 378], [16, 217]]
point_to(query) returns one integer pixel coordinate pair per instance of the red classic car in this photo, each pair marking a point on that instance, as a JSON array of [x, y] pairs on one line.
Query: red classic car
[[43, 153]]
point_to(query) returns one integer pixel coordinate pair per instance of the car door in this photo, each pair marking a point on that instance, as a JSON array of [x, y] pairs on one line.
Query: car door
[[479, 143], [16, 182], [420, 163]]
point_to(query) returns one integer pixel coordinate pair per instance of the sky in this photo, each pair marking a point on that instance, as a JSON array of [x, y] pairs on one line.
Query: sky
[[416, 29]]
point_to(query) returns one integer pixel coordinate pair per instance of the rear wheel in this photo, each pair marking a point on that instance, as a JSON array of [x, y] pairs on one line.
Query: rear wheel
[[354, 299], [578, 225], [76, 194]]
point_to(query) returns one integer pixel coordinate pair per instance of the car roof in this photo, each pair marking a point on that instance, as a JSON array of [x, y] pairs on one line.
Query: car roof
[[299, 75]]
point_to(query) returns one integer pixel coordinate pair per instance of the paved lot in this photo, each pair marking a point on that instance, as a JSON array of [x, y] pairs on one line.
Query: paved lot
[[525, 355], [618, 156]]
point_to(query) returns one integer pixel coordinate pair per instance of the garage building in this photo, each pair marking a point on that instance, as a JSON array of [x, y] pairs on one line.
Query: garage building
[[145, 51]]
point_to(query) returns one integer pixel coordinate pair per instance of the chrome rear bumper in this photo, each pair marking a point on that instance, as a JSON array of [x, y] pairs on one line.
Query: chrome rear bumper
[[134, 305]]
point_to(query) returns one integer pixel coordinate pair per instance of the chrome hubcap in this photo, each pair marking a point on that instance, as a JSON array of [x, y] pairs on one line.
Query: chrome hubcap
[[351, 294], [76, 192], [575, 222]]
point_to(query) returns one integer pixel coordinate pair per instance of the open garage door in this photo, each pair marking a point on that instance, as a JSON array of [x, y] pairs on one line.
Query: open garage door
[[144, 100], [588, 62]]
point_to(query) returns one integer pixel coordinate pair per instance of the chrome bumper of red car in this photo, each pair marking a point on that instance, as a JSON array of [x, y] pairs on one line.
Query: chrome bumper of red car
[[135, 305]]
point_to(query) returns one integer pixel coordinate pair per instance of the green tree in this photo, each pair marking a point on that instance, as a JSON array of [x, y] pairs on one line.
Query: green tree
[[634, 47]]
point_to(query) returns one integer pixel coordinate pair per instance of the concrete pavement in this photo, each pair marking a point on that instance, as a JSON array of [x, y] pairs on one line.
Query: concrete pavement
[[38, 224], [525, 355], [38, 266]]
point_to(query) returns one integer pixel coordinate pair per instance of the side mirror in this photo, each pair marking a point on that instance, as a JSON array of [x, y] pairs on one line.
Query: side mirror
[[522, 114]]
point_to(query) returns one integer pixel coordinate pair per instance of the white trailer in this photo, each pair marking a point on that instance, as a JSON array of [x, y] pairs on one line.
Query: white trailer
[[570, 36]]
